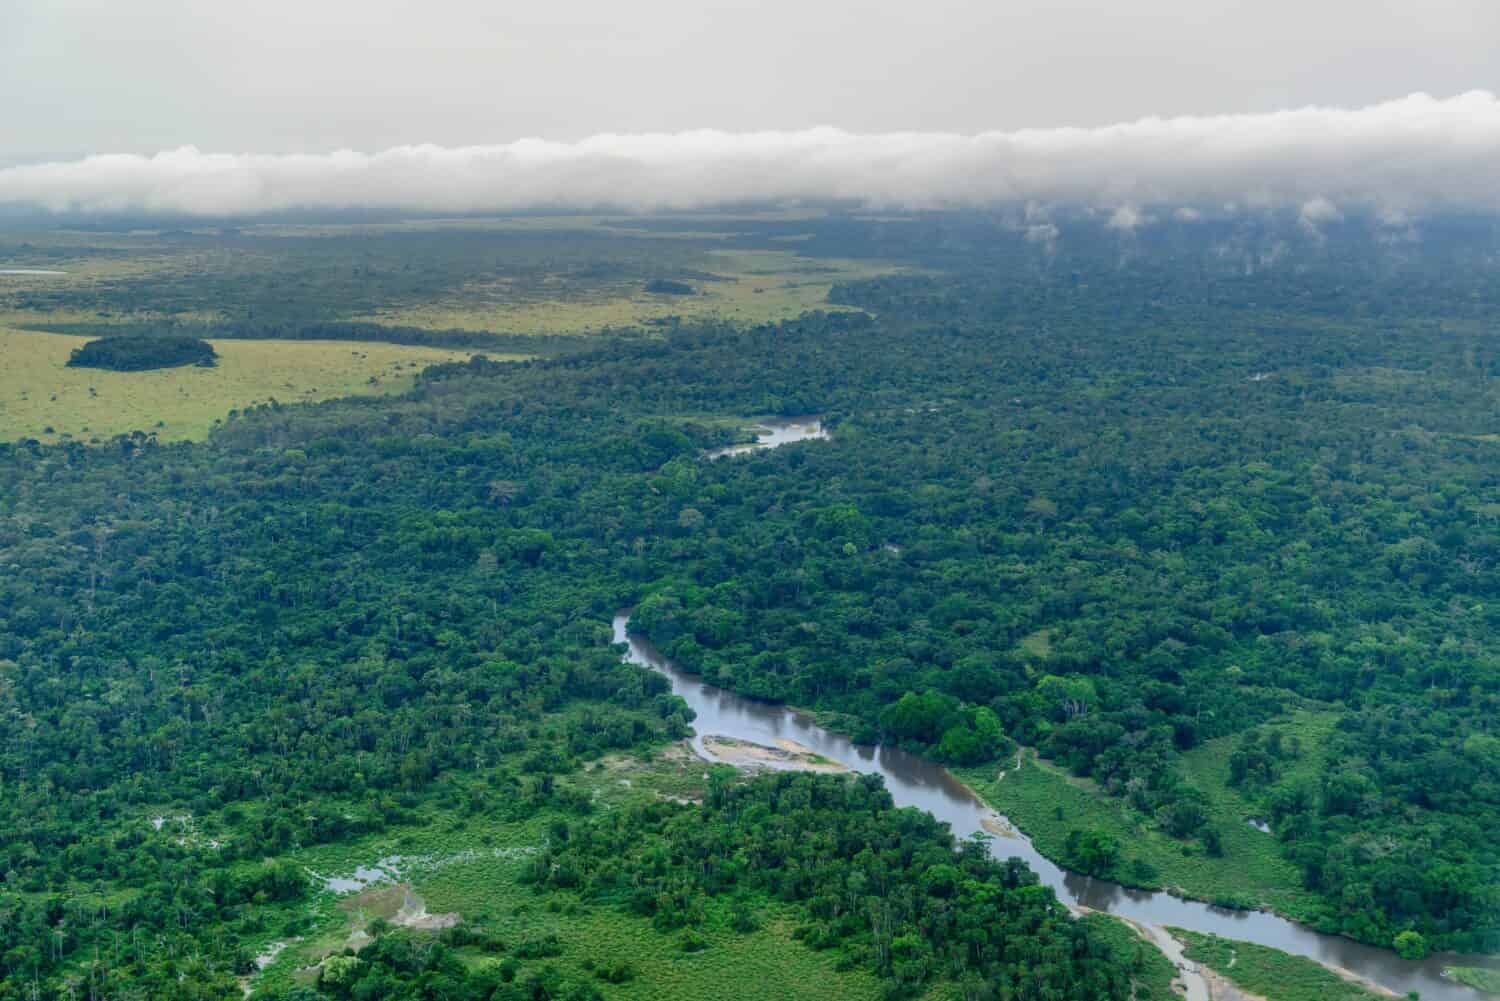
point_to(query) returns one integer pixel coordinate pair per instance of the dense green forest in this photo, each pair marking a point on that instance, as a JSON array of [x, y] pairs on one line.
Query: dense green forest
[[1106, 510], [138, 352], [885, 885]]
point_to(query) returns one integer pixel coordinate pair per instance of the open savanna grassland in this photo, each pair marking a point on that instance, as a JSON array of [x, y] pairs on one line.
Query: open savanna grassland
[[1270, 973], [472, 864], [562, 274], [40, 397], [1047, 804], [93, 269], [741, 286]]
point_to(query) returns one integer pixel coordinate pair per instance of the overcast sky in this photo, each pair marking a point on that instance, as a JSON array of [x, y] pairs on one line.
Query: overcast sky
[[140, 76]]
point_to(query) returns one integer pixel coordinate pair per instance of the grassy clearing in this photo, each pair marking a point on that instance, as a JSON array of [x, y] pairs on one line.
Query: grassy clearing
[[472, 866], [44, 320], [1270, 973], [1477, 977], [1038, 644], [1047, 803], [766, 963], [39, 392], [749, 286], [91, 259]]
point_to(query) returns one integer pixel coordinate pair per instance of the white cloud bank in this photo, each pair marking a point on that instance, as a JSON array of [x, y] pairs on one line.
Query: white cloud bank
[[1402, 158]]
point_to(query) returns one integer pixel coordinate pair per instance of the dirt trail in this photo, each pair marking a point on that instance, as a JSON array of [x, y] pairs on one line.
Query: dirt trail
[[1221, 988], [413, 914]]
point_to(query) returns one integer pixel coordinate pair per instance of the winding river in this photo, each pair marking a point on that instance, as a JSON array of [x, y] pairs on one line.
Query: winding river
[[916, 781]]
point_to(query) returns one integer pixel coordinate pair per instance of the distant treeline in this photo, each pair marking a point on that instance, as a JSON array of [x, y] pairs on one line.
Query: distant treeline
[[139, 352], [530, 344], [666, 286]]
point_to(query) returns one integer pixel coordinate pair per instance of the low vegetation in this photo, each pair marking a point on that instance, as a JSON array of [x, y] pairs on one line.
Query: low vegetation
[[741, 286], [1270, 973], [1238, 864], [1480, 978]]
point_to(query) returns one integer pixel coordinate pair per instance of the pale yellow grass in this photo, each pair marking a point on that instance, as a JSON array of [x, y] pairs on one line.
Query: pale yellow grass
[[38, 391], [754, 286]]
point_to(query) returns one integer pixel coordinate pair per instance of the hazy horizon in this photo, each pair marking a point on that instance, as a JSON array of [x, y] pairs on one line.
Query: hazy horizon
[[1398, 159], [167, 107], [285, 77]]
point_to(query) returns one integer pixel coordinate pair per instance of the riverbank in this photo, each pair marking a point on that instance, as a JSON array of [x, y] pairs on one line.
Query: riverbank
[[1042, 804], [917, 782], [1259, 971], [1481, 979], [1048, 804], [787, 755]]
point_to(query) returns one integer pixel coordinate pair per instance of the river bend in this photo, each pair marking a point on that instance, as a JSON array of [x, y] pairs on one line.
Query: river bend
[[916, 781]]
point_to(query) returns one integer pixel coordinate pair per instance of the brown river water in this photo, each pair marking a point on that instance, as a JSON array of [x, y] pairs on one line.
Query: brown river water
[[916, 781]]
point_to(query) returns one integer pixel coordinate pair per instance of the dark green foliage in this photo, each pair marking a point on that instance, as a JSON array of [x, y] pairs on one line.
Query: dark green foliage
[[1092, 852], [1058, 509], [666, 286], [137, 353], [409, 967], [888, 887], [1258, 760], [288, 648], [1152, 974], [1410, 945]]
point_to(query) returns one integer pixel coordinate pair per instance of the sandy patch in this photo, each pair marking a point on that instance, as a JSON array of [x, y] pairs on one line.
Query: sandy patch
[[998, 826], [397, 904], [788, 755], [1359, 981], [413, 914]]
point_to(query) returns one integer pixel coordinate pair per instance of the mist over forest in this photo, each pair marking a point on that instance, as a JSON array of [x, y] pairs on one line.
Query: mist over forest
[[778, 502]]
